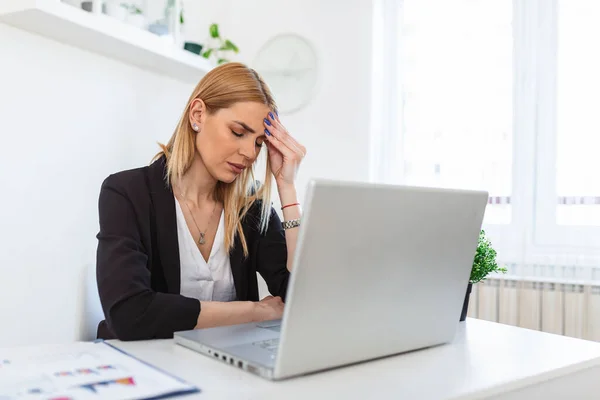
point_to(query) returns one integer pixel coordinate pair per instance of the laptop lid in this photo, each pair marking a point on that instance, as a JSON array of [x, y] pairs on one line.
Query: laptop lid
[[378, 270]]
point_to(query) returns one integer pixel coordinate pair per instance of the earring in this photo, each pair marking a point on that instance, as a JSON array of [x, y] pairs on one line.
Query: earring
[[195, 127]]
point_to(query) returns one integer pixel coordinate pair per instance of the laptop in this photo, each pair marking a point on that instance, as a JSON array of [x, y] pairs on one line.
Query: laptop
[[379, 270]]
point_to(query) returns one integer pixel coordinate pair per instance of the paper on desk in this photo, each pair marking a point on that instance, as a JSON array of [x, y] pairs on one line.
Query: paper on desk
[[82, 371]]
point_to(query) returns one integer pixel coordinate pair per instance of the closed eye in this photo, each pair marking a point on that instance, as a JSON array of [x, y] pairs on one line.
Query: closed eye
[[259, 141]]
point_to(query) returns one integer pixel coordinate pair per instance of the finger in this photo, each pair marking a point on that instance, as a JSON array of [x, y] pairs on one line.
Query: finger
[[285, 134], [272, 131], [272, 122], [301, 148], [273, 154], [274, 115], [280, 146], [267, 298], [271, 148], [277, 124]]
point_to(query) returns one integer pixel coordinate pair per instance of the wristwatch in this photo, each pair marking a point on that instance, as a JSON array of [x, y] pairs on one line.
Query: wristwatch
[[291, 224]]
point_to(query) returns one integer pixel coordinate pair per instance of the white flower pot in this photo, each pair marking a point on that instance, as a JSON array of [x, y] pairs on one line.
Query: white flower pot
[[74, 3], [115, 10], [137, 20]]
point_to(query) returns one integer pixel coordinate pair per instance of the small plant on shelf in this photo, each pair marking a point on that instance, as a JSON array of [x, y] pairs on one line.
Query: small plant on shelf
[[220, 47], [132, 8], [135, 15]]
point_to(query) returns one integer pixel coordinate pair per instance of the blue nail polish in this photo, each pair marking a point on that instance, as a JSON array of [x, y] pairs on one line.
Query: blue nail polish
[[271, 115], [276, 113], [267, 122], [267, 132]]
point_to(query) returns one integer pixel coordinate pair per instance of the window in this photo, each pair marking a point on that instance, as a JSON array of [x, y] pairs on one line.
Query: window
[[500, 96], [578, 118], [568, 206], [457, 97]]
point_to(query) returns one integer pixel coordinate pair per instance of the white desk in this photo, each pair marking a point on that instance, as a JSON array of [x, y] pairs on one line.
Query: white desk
[[486, 360]]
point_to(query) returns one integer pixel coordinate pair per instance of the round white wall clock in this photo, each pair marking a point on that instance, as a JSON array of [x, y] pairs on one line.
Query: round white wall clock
[[288, 63]]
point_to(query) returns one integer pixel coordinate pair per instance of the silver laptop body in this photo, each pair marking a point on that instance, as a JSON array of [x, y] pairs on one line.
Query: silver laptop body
[[378, 270]]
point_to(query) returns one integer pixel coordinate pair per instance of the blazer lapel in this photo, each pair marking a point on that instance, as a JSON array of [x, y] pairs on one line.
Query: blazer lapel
[[165, 225]]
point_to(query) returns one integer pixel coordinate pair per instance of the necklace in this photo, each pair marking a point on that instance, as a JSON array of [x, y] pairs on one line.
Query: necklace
[[202, 239]]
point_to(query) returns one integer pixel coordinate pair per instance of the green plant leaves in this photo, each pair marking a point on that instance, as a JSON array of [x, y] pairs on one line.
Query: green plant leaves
[[484, 262], [225, 45], [214, 31], [207, 53], [132, 8], [228, 45]]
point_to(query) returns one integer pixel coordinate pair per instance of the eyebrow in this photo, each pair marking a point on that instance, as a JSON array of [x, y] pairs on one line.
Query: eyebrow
[[246, 127]]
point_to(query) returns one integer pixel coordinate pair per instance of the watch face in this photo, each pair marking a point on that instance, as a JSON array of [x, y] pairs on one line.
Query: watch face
[[288, 64]]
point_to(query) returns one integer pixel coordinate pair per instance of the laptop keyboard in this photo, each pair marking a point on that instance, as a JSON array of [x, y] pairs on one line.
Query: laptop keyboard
[[269, 344]]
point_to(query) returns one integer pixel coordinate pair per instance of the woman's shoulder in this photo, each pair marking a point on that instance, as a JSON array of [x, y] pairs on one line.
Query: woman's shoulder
[[138, 181], [126, 180], [138, 175]]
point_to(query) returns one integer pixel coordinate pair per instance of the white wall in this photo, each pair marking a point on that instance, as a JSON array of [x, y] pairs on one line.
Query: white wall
[[334, 126], [68, 118]]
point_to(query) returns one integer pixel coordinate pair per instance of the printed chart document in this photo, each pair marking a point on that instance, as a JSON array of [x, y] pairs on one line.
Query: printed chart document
[[82, 371]]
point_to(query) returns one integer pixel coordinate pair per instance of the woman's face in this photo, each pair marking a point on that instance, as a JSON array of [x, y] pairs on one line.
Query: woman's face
[[229, 140]]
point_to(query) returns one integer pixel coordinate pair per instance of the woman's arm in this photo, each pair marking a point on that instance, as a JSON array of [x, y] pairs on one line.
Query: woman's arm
[[287, 196], [215, 313], [285, 156]]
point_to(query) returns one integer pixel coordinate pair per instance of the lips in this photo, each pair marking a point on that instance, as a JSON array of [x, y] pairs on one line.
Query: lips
[[237, 168]]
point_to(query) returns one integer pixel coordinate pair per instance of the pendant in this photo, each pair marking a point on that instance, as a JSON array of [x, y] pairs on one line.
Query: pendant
[[201, 240]]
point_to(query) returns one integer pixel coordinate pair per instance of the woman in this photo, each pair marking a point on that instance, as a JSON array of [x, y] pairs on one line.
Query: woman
[[181, 240]]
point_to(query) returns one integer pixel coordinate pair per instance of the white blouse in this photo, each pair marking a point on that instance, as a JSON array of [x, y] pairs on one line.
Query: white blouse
[[205, 281]]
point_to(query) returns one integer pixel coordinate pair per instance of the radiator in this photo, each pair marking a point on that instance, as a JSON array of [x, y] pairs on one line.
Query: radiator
[[564, 308]]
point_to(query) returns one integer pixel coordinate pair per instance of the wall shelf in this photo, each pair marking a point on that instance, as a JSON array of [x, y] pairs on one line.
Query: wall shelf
[[104, 35]]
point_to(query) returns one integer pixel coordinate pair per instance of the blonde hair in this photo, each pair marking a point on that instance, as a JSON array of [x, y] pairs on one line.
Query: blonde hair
[[220, 88]]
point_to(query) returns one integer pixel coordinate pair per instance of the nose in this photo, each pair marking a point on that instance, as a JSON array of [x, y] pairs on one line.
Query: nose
[[248, 147]]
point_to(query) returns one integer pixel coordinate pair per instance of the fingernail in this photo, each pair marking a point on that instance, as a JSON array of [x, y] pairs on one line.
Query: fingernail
[[267, 122], [276, 113], [267, 132], [271, 115]]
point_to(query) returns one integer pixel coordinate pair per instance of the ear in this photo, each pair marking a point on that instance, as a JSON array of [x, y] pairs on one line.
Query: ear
[[197, 114]]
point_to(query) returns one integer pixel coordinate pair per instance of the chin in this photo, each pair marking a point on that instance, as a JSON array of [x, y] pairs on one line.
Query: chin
[[228, 177], [225, 175]]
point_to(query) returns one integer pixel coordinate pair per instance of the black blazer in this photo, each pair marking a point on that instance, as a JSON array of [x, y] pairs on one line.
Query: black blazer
[[138, 270]]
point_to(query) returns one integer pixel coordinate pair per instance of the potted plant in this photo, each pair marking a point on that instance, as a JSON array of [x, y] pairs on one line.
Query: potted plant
[[116, 9], [136, 17], [484, 264], [218, 47]]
